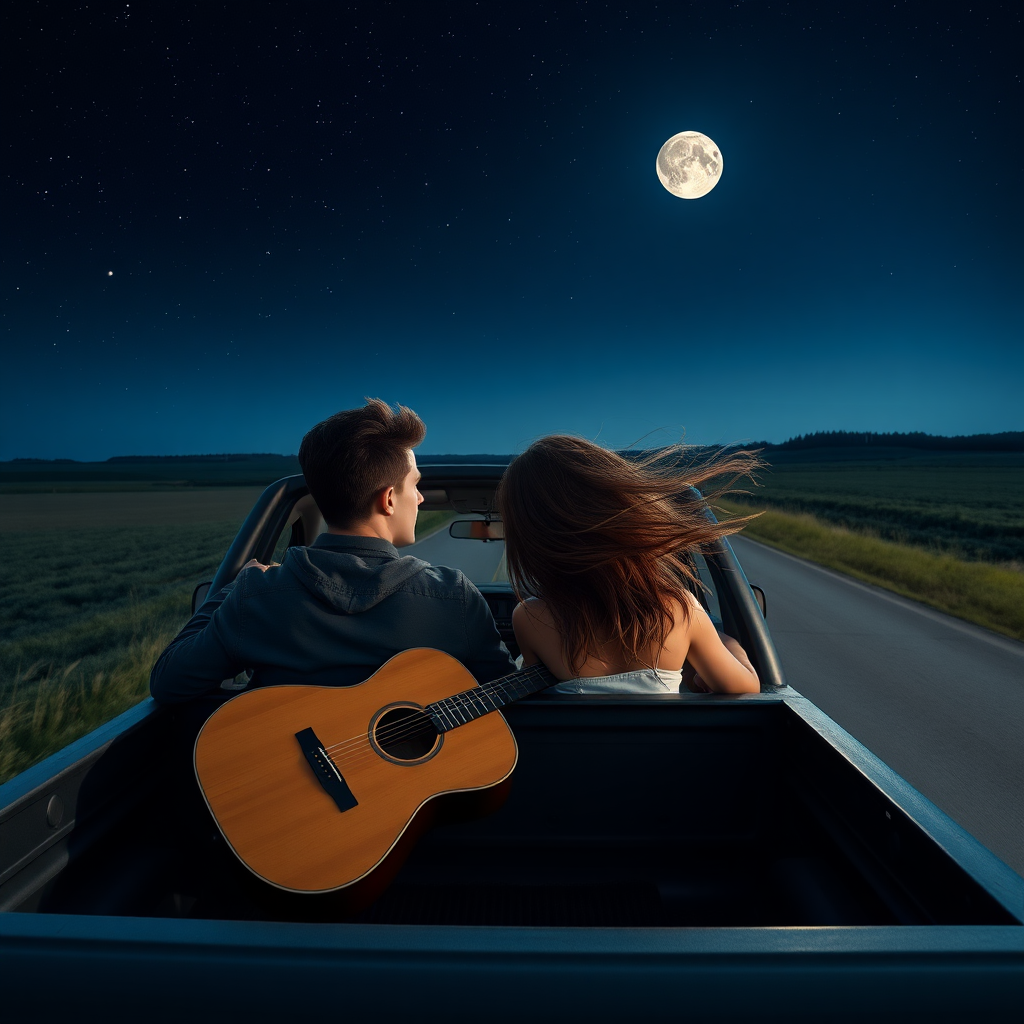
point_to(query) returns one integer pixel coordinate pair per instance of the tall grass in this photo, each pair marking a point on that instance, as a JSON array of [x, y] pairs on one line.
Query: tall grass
[[84, 614], [57, 685], [980, 592], [49, 706]]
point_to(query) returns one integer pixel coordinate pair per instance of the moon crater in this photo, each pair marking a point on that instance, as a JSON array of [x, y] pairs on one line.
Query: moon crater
[[689, 165]]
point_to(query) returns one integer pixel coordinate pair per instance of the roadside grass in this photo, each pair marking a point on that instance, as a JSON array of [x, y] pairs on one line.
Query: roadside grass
[[969, 505], [58, 684], [980, 592], [84, 614], [46, 706]]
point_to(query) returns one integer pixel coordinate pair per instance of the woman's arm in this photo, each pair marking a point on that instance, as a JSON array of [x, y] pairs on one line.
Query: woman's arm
[[720, 662]]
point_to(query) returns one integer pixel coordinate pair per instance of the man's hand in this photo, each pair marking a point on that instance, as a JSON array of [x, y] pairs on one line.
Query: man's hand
[[253, 564]]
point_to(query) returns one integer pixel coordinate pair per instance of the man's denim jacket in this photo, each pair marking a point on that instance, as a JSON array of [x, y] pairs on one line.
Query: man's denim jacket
[[331, 614]]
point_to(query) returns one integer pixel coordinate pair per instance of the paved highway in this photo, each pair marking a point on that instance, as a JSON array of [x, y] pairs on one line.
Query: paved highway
[[939, 700]]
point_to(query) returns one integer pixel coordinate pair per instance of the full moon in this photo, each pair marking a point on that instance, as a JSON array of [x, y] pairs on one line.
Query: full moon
[[689, 165]]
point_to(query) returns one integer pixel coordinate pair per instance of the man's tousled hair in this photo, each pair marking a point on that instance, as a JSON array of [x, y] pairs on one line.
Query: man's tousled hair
[[353, 455]]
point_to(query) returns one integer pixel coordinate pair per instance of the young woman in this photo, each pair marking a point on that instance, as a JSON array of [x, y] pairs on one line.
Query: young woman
[[601, 545]]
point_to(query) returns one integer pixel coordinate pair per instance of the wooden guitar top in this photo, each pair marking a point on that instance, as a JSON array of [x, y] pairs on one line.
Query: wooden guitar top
[[279, 819]]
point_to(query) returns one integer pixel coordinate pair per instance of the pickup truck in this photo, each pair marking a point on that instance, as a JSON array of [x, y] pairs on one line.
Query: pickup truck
[[710, 857]]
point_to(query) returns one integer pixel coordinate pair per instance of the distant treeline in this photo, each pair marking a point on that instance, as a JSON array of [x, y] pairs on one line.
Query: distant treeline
[[463, 460], [255, 457], [235, 457], [1007, 441], [252, 457]]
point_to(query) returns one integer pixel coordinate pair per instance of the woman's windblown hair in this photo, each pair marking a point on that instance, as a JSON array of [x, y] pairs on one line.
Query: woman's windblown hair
[[606, 540]]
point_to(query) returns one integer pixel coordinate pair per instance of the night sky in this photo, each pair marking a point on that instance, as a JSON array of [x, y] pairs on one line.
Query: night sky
[[224, 222]]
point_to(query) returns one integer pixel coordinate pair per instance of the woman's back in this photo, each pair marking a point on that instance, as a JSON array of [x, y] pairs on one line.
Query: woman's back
[[605, 543], [717, 662]]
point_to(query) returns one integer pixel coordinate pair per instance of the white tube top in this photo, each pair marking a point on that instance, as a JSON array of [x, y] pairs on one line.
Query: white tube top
[[645, 680]]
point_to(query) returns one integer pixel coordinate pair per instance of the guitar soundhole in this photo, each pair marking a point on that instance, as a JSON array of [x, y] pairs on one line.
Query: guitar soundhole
[[405, 734]]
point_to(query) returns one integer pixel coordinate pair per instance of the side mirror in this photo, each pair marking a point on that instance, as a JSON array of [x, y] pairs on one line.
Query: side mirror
[[760, 599], [477, 529], [199, 595]]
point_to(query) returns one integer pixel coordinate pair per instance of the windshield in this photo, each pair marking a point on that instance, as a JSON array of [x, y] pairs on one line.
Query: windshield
[[481, 561]]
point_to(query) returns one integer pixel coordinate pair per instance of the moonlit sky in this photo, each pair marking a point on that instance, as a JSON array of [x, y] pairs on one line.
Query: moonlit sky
[[224, 222]]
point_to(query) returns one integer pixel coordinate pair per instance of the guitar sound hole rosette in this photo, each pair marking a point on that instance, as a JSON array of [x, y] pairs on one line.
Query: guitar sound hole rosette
[[403, 733]]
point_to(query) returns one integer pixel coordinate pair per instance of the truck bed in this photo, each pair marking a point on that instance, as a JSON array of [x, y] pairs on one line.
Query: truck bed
[[710, 851]]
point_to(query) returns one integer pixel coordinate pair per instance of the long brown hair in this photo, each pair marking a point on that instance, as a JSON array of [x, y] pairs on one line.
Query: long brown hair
[[606, 541]]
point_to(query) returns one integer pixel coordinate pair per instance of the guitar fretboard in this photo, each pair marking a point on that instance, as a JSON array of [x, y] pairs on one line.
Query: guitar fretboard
[[463, 707]]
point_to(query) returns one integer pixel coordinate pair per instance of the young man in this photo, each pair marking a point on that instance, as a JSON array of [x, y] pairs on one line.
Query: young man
[[333, 612]]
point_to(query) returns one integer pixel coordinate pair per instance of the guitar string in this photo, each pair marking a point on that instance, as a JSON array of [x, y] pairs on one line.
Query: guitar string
[[450, 704], [361, 751], [359, 745], [454, 702], [365, 752]]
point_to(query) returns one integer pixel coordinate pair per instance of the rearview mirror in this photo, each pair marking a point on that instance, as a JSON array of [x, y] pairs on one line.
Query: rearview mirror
[[477, 529]]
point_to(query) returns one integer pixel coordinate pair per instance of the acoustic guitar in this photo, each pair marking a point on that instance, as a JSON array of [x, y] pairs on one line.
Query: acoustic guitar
[[313, 787]]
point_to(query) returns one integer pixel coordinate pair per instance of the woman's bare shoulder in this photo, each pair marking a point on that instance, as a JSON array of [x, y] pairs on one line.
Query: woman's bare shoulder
[[683, 609], [533, 610], [537, 635]]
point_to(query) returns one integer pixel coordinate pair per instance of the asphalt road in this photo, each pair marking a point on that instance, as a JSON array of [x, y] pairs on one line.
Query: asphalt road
[[939, 700]]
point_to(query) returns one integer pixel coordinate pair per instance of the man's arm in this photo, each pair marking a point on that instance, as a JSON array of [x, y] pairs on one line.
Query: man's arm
[[204, 653], [487, 657]]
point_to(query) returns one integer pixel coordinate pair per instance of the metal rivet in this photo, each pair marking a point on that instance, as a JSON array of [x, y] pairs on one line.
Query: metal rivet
[[54, 811]]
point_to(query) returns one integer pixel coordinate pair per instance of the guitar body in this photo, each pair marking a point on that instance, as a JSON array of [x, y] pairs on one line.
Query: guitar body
[[258, 769]]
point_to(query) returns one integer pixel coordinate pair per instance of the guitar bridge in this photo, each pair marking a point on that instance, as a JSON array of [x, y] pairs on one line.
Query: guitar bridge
[[325, 770]]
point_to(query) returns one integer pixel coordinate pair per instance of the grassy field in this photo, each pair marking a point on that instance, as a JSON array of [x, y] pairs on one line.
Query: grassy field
[[944, 528], [95, 587], [970, 505], [24, 477]]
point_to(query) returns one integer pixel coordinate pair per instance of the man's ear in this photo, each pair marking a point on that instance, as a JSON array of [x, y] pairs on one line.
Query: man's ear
[[384, 503]]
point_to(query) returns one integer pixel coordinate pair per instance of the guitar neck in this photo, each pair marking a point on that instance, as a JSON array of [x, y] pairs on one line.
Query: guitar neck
[[464, 707]]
